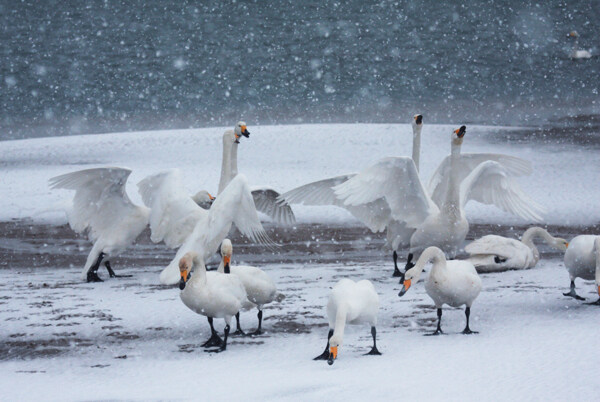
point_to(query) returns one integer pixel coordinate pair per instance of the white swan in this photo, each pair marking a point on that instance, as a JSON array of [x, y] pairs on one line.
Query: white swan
[[260, 288], [377, 215], [576, 53], [211, 294], [450, 282], [493, 253], [582, 260], [102, 210], [265, 198], [396, 181], [179, 222], [353, 303]]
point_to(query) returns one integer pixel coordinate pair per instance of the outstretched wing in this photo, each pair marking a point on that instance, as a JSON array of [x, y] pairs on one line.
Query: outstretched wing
[[490, 183], [100, 201], [397, 182], [235, 204], [173, 213], [266, 201], [438, 185], [375, 215]]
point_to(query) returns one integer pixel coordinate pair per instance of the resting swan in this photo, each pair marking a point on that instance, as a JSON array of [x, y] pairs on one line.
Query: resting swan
[[582, 260], [576, 53], [377, 215], [493, 253], [265, 198], [211, 294], [259, 287], [179, 222], [353, 303], [450, 282], [102, 210]]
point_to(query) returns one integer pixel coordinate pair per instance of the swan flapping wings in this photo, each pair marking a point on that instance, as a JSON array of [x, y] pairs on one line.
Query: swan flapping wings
[[101, 204], [438, 184], [268, 202]]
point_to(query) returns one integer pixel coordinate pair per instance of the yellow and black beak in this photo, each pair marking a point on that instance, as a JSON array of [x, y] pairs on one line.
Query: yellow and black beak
[[461, 131], [245, 132], [211, 198], [226, 262], [184, 278], [405, 287], [332, 354], [419, 119]]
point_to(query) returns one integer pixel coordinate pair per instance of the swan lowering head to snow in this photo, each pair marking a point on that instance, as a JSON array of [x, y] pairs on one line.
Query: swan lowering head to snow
[[353, 303], [450, 282], [582, 260]]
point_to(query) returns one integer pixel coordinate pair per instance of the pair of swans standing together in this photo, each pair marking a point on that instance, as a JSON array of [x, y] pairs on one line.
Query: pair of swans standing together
[[103, 210]]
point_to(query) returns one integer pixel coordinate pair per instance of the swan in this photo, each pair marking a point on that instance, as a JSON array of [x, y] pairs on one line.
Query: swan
[[352, 303], [259, 286], [450, 282], [211, 294], [265, 198], [576, 53], [582, 260], [102, 210], [179, 222], [377, 215], [493, 253], [203, 198], [396, 181]]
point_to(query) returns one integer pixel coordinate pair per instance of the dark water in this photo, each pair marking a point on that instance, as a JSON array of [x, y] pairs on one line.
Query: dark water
[[77, 67]]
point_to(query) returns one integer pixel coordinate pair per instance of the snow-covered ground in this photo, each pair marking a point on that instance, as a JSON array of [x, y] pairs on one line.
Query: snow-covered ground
[[287, 156], [129, 339]]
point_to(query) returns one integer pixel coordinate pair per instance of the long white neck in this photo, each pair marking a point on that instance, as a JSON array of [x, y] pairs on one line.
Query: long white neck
[[533, 233], [340, 321], [199, 271], [226, 162], [436, 256], [451, 205], [597, 244], [416, 149], [234, 170]]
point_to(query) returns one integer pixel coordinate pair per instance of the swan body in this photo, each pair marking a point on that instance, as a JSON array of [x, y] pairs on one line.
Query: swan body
[[582, 260], [455, 283], [350, 303], [211, 294], [576, 53], [102, 210], [259, 287], [493, 253], [179, 222]]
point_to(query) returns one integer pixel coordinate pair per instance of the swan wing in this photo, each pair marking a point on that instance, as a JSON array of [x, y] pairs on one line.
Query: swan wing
[[236, 205], [173, 213], [438, 185], [490, 183], [496, 245], [100, 202], [316, 193], [396, 181], [267, 201]]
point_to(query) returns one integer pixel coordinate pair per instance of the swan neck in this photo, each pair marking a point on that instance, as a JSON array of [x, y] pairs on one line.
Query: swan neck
[[416, 148], [597, 248], [340, 321], [451, 205], [226, 162], [199, 271], [534, 233], [221, 267], [233, 163]]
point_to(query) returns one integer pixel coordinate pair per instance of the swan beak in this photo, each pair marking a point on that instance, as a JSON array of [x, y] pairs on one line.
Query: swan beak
[[245, 132], [183, 279], [419, 119], [211, 198], [405, 288], [461, 131], [332, 355], [226, 261], [567, 245]]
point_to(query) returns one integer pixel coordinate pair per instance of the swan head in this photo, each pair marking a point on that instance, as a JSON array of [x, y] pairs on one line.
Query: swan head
[[411, 276], [334, 342], [226, 252], [239, 130], [560, 244], [203, 199], [185, 266], [417, 120], [458, 134]]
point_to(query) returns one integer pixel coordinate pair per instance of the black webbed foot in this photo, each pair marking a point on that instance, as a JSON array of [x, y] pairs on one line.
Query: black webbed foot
[[574, 295], [214, 340], [437, 332], [239, 332], [93, 277], [467, 331], [373, 352]]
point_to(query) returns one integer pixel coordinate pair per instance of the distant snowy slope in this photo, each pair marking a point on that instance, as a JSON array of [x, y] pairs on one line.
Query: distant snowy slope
[[565, 180]]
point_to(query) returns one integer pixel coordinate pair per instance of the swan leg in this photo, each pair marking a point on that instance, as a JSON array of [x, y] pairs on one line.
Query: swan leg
[[111, 273], [325, 354], [259, 329], [397, 272], [92, 273], [238, 330], [374, 350], [223, 343], [467, 330], [214, 339], [438, 331], [572, 292]]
